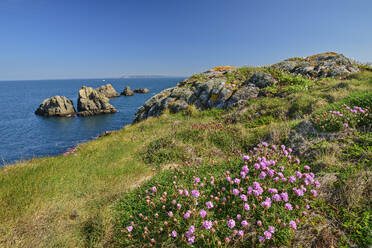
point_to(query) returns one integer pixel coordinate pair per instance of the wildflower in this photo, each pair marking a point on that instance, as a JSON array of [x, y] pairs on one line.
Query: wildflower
[[276, 197], [271, 229], [245, 169], [186, 192], [247, 207], [244, 197], [195, 193], [293, 224], [292, 179], [227, 240], [179, 206], [197, 180], [243, 174], [244, 223], [153, 189], [238, 216], [191, 240], [272, 190], [241, 233], [317, 184], [297, 161], [209, 204], [170, 214], [284, 196], [266, 203], [306, 167], [187, 214], [268, 235], [273, 147], [236, 191], [245, 157], [313, 191], [174, 234], [346, 125], [236, 180], [207, 224], [231, 223], [262, 175], [180, 191], [261, 239], [259, 223], [298, 174], [288, 206], [129, 228], [203, 213], [307, 207]]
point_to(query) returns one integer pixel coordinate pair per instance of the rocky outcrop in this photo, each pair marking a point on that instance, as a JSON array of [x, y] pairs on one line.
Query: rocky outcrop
[[127, 91], [319, 66], [92, 102], [141, 90], [56, 106], [225, 87], [108, 91]]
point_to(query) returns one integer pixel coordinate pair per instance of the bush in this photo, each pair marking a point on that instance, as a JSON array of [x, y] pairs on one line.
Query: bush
[[256, 201]]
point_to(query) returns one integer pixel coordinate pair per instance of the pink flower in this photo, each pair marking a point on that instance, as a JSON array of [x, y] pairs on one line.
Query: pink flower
[[209, 204], [244, 223], [153, 189], [261, 239], [306, 167], [170, 214], [129, 228], [207, 224], [268, 235], [276, 197], [191, 240], [244, 198], [293, 224], [241, 233], [346, 125], [259, 223], [245, 157], [262, 175], [197, 180], [247, 207], [271, 229], [266, 203], [187, 214], [272, 190], [236, 191], [313, 191], [231, 223], [236, 180], [203, 213], [195, 193], [174, 234], [288, 206]]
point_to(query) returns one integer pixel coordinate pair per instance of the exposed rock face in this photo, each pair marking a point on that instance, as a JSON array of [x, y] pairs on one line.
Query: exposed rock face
[[108, 91], [319, 66], [127, 91], [56, 106], [225, 87], [262, 79], [91, 102], [141, 90]]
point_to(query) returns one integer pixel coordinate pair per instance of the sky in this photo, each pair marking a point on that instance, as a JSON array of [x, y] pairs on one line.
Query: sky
[[52, 39]]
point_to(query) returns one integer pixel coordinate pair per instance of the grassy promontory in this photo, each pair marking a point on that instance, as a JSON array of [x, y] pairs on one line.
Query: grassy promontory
[[89, 199]]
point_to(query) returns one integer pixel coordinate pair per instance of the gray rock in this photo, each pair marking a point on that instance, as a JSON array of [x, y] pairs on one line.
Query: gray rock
[[108, 91], [262, 79], [56, 106], [127, 91], [91, 102], [141, 90], [242, 95], [178, 106]]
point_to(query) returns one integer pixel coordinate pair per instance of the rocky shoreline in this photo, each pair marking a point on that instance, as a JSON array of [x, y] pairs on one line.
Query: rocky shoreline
[[90, 102]]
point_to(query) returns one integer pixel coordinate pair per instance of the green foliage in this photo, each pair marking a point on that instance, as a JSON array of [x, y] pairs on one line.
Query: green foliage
[[161, 151], [198, 77], [240, 74]]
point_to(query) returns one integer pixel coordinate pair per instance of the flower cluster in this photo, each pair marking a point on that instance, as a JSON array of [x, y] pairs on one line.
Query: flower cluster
[[347, 117], [255, 199]]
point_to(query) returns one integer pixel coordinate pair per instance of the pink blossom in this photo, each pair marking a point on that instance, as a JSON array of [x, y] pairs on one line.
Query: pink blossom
[[261, 239], [236, 191], [271, 229], [247, 207], [293, 224], [209, 204], [244, 197], [288, 206], [174, 234], [203, 213], [195, 193], [207, 224], [245, 157], [268, 235], [231, 223], [244, 223], [129, 228]]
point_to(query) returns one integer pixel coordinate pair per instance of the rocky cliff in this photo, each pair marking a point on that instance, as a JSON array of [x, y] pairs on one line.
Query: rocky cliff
[[225, 87]]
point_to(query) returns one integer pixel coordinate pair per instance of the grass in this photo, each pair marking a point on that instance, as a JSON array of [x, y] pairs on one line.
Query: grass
[[73, 201]]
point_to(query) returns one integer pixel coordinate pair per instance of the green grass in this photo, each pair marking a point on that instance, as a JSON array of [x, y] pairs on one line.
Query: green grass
[[73, 201]]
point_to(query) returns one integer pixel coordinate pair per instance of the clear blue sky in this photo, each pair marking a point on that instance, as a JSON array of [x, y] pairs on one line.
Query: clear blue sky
[[42, 39]]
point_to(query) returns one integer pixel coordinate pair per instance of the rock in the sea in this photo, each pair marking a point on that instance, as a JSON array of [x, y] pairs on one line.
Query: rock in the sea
[[141, 90], [127, 91], [108, 91], [91, 102], [56, 106]]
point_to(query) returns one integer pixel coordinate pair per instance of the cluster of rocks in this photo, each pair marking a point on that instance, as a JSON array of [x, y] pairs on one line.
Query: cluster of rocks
[[319, 66], [214, 89], [90, 102], [128, 92]]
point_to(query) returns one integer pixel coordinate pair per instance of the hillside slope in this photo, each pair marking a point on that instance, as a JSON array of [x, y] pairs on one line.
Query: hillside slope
[[90, 197]]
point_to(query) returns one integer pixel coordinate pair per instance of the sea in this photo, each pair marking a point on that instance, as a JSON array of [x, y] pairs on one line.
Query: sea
[[24, 135]]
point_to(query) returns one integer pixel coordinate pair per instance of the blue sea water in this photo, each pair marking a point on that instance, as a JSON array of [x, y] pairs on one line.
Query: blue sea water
[[24, 135]]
